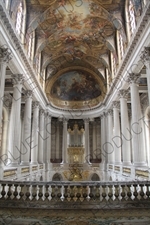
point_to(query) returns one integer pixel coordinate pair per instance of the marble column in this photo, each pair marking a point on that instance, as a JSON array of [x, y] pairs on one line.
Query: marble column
[[15, 150], [138, 144], [64, 148], [25, 156], [35, 134], [5, 56], [103, 138], [41, 137], [109, 144], [87, 149], [117, 141], [94, 150], [146, 60], [48, 139], [57, 140], [125, 128]]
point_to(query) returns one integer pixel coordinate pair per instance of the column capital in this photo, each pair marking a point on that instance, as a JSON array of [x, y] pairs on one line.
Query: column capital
[[133, 78], [65, 120], [47, 114], [28, 94], [36, 104], [110, 112], [145, 55], [86, 120], [116, 105], [42, 111], [5, 54], [123, 93], [17, 79]]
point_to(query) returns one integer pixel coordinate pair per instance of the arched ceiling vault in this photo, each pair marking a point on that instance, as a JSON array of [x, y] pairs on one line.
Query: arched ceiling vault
[[71, 34]]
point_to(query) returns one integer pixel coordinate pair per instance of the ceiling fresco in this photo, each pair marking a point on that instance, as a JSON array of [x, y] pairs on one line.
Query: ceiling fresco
[[75, 86], [74, 32]]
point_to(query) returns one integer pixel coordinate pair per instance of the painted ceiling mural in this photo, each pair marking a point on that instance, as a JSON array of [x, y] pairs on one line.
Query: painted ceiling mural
[[75, 86], [73, 32]]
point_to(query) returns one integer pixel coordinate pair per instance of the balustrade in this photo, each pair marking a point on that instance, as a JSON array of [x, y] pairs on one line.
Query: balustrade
[[74, 191]]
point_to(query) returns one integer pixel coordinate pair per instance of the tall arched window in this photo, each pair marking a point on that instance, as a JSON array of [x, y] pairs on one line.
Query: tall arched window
[[19, 18], [114, 64], [121, 45], [132, 21], [30, 45]]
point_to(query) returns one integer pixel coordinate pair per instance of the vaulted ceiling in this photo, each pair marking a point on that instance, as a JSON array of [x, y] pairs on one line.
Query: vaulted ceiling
[[75, 37]]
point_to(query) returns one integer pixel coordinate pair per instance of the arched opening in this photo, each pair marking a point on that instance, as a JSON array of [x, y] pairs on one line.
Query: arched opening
[[57, 177], [95, 177]]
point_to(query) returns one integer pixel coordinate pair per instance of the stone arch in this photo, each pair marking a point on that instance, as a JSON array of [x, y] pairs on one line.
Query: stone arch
[[95, 177], [57, 177]]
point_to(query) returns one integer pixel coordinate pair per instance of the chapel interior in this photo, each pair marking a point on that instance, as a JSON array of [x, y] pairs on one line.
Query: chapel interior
[[74, 112]]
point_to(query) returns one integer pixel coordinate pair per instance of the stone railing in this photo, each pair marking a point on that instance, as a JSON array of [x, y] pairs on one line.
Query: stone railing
[[72, 193]]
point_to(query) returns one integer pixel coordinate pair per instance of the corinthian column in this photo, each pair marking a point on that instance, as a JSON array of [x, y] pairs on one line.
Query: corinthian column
[[146, 60], [125, 130], [41, 137], [64, 147], [5, 56], [116, 135], [27, 128], [48, 139], [138, 143], [34, 142], [109, 144], [87, 149], [15, 119]]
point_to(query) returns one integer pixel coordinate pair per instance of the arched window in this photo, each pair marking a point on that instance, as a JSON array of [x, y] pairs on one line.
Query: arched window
[[30, 45], [114, 64], [121, 46], [132, 21], [19, 18]]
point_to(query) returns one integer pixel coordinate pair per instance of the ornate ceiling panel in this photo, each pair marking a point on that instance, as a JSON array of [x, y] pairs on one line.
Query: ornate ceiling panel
[[72, 33]]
